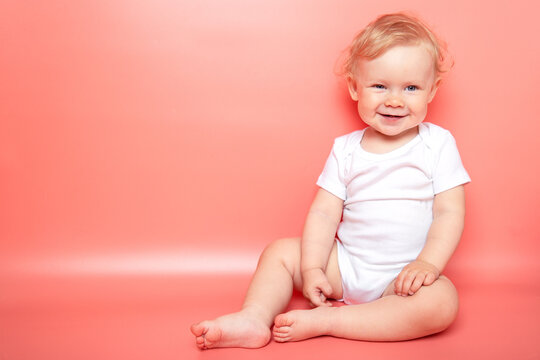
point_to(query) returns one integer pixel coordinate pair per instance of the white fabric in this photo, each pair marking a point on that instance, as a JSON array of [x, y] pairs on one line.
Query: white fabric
[[388, 200]]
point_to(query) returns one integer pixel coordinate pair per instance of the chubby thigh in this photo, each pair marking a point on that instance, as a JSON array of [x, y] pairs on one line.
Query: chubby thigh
[[332, 269]]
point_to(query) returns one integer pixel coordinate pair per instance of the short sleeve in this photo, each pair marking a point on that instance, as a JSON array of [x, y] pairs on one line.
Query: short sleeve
[[449, 171], [331, 178]]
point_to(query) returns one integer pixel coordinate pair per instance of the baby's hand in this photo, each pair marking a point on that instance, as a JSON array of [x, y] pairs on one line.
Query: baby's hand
[[316, 287], [415, 275]]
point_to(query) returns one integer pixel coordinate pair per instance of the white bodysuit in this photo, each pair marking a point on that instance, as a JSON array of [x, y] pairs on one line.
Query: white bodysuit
[[388, 200]]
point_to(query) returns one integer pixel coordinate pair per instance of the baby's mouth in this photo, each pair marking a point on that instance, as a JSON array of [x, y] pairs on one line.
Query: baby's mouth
[[390, 116]]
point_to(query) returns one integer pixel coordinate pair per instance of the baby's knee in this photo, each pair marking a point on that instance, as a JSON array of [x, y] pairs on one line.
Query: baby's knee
[[444, 306], [283, 247], [286, 250]]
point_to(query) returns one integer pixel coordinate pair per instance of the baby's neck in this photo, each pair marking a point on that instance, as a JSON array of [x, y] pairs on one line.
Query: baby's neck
[[377, 143]]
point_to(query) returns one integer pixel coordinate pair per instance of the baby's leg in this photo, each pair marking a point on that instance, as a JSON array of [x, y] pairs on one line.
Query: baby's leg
[[269, 293], [391, 318]]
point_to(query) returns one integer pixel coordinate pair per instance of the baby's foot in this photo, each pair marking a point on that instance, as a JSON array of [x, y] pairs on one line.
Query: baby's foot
[[302, 324], [234, 330]]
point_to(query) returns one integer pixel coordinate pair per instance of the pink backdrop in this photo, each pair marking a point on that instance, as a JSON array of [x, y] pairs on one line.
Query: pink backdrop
[[183, 136]]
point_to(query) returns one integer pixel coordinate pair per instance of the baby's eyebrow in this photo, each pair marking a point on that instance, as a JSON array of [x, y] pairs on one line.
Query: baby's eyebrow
[[375, 81]]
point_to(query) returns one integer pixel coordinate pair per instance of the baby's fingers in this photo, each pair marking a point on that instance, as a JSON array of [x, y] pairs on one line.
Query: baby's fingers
[[324, 301], [317, 298], [430, 279], [314, 298], [325, 290], [400, 281], [407, 282], [419, 280]]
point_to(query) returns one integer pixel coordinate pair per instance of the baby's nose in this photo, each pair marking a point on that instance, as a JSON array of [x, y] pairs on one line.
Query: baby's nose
[[394, 101]]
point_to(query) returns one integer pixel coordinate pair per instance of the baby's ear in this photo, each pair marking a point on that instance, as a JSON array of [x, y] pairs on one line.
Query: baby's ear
[[353, 90], [434, 88]]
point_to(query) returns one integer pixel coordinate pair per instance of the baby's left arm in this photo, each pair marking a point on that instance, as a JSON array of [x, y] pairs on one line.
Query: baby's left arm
[[442, 240]]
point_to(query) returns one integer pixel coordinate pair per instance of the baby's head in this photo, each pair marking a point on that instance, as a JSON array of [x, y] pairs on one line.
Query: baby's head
[[391, 30], [393, 70]]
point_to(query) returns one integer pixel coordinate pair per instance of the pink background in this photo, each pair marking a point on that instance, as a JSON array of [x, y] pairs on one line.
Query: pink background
[[165, 129], [180, 137]]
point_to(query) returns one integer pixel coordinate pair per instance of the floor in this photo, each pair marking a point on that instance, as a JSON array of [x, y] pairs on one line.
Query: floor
[[149, 317]]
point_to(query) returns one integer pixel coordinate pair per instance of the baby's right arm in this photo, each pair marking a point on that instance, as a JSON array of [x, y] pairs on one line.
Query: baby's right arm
[[317, 241]]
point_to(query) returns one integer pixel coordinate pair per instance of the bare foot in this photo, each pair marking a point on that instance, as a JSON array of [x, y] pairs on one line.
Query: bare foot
[[302, 324], [234, 330]]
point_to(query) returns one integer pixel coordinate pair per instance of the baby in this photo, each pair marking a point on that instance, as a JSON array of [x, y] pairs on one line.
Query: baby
[[387, 217]]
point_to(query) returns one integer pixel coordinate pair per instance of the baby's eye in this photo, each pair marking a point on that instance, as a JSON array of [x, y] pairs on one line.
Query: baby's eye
[[411, 88], [378, 86]]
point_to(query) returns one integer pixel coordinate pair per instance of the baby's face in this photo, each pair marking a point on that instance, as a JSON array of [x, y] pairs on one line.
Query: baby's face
[[394, 89]]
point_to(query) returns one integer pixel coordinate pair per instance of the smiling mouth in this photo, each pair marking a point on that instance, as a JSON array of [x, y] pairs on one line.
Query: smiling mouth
[[389, 116]]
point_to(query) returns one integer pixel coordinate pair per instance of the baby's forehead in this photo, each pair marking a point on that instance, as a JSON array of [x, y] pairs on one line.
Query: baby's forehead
[[415, 48], [402, 64], [417, 57]]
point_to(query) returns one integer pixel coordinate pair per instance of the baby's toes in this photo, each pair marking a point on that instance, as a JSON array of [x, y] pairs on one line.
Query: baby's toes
[[282, 328], [198, 329], [200, 342], [281, 337], [283, 320], [212, 337], [282, 334]]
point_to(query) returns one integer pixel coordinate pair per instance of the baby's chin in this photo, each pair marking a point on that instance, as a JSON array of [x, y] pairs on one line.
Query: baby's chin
[[395, 130]]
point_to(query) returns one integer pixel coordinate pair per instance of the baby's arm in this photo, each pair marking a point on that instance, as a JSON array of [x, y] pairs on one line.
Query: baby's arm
[[317, 241], [442, 240]]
